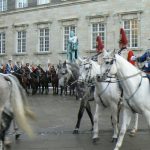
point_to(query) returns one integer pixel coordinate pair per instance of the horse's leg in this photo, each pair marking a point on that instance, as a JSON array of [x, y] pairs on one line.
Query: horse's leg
[[134, 130], [66, 91], [70, 90], [4, 126], [42, 88], [57, 89], [61, 90], [127, 114], [96, 123], [147, 117], [80, 114], [114, 113], [46, 87], [88, 109], [17, 134], [53, 89]]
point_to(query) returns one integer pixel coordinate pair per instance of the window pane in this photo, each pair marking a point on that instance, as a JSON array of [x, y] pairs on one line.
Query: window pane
[[67, 30], [21, 41], [44, 39], [2, 43], [22, 3], [97, 29], [3, 5], [131, 28], [43, 1]]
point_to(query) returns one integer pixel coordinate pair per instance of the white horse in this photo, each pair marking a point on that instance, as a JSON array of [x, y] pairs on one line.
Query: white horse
[[136, 93], [13, 105], [107, 92]]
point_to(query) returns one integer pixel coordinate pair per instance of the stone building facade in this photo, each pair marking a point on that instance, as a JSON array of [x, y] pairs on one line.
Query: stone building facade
[[36, 31]]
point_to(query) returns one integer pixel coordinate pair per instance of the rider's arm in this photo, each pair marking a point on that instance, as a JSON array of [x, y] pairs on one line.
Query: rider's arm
[[142, 58]]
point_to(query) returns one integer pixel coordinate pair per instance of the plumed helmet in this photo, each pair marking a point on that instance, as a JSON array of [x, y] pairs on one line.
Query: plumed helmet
[[99, 44], [123, 39]]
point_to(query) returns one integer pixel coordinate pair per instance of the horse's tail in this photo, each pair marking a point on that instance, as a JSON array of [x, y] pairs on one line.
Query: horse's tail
[[20, 106]]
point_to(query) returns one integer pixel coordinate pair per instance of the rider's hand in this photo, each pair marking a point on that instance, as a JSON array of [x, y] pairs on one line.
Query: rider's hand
[[146, 65], [133, 58]]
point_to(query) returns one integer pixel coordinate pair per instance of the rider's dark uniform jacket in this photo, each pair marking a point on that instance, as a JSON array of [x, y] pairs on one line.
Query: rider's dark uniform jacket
[[145, 58]]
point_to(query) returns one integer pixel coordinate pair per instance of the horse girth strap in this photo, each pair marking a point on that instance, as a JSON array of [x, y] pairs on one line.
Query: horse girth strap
[[128, 99], [102, 102]]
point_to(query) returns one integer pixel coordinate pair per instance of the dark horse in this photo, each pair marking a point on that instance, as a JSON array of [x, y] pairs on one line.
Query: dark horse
[[43, 81], [86, 94], [22, 77], [54, 80], [68, 74]]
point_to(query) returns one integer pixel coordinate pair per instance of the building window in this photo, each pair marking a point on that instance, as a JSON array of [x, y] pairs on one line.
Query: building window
[[67, 30], [21, 3], [97, 29], [3, 5], [2, 43], [131, 28], [40, 2], [21, 41], [44, 40]]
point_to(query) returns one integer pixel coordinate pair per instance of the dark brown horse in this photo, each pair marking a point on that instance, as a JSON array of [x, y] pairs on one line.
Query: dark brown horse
[[54, 80]]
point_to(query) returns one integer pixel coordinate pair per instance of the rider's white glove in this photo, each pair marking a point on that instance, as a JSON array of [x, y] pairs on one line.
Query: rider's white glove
[[133, 58], [146, 64]]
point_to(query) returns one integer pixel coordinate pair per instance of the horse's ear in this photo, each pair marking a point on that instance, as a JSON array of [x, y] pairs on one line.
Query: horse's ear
[[113, 69], [88, 59], [64, 64], [79, 61]]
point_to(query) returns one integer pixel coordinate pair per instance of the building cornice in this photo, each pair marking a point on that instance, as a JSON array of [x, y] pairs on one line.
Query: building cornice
[[43, 22], [99, 15], [20, 25], [47, 6], [71, 18], [3, 27], [130, 12]]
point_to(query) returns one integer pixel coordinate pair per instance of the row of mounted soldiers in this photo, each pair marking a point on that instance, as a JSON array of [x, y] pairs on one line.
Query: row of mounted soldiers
[[31, 77]]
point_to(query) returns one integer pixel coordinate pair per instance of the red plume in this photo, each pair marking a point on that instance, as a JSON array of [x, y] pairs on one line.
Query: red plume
[[123, 38], [99, 44]]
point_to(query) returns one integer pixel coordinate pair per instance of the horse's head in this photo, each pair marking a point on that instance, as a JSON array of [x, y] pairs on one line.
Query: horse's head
[[64, 73], [85, 70], [105, 62]]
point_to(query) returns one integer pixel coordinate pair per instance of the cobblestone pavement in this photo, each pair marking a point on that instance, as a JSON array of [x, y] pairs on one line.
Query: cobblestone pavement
[[56, 118]]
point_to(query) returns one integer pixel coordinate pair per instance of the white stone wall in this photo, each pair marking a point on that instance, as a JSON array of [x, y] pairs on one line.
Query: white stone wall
[[79, 11]]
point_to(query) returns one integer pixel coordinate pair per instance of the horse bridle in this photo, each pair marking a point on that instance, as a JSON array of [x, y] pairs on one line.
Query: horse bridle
[[88, 79]]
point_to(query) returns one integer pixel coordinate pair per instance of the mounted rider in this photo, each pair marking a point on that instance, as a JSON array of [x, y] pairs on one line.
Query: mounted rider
[[9, 67], [28, 70], [124, 52], [99, 48], [144, 58], [17, 66], [72, 47]]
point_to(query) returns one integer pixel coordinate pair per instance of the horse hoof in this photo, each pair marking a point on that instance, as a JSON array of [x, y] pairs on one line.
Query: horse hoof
[[1, 145], [91, 129], [114, 140], [7, 142], [95, 140], [132, 133], [17, 136], [76, 131]]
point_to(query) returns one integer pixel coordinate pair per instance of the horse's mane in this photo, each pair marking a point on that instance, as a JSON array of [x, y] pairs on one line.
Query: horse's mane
[[74, 70], [126, 65]]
